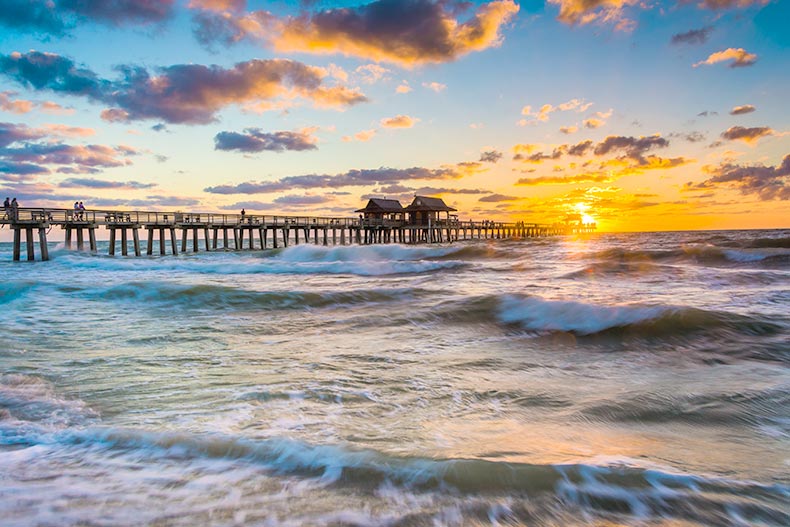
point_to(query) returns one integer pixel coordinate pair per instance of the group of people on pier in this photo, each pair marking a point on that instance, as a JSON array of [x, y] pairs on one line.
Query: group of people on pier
[[10, 208], [79, 211]]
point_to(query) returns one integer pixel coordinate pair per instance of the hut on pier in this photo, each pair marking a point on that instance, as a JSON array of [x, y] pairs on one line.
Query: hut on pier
[[424, 210], [382, 210]]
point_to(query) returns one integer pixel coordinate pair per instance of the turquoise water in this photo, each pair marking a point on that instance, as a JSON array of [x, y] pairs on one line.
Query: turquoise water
[[632, 379]]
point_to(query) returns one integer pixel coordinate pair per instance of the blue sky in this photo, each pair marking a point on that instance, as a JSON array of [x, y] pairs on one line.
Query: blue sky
[[642, 115]]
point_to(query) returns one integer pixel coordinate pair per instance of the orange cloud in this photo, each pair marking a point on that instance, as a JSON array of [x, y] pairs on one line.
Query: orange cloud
[[438, 87], [337, 72], [69, 131], [55, 108], [372, 73], [542, 114], [747, 135], [363, 136], [403, 88], [740, 110], [404, 33], [14, 105], [567, 130], [590, 177], [218, 5], [581, 12], [593, 123], [20, 106], [399, 121], [739, 56], [524, 148]]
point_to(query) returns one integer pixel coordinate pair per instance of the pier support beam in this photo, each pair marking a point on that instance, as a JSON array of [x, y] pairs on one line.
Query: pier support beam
[[42, 241], [136, 236], [124, 238], [149, 250], [29, 241], [31, 255], [162, 239]]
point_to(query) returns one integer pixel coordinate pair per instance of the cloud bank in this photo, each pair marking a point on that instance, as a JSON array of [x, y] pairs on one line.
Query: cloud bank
[[182, 93], [765, 182], [57, 17], [352, 178], [404, 32], [255, 140]]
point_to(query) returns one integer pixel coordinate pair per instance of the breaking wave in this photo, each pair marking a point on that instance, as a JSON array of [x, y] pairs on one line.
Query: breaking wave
[[540, 315], [14, 290], [697, 254], [32, 399], [208, 296], [621, 487], [372, 260]]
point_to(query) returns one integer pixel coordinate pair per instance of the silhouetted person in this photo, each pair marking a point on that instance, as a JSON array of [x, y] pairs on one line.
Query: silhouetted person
[[14, 209], [7, 208]]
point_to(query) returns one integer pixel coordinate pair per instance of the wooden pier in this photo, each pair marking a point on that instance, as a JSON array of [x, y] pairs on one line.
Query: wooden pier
[[258, 232]]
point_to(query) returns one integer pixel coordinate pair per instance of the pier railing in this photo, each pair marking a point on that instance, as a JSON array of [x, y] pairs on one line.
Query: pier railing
[[111, 217], [269, 229], [176, 218]]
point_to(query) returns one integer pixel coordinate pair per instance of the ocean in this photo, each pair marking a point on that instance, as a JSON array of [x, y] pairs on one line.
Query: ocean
[[610, 379]]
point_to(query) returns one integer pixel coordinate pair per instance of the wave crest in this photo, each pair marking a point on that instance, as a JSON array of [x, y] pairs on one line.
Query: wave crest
[[368, 260], [609, 487], [535, 314], [698, 254]]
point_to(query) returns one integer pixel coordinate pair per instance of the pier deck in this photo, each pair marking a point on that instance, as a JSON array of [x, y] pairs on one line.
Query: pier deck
[[270, 231]]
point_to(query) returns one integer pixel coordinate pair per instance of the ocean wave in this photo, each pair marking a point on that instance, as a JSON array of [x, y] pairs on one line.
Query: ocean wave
[[697, 254], [751, 408], [620, 268], [32, 399], [369, 260], [14, 290], [532, 313], [478, 251], [327, 396], [363, 253], [762, 243], [212, 296], [623, 486]]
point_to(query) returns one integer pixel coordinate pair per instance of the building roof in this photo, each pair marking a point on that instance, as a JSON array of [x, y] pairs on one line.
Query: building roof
[[423, 203], [382, 205]]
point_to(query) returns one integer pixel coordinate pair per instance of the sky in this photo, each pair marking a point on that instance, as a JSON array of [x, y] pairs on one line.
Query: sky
[[639, 115]]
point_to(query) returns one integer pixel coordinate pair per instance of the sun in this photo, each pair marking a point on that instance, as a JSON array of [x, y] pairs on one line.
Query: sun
[[582, 209]]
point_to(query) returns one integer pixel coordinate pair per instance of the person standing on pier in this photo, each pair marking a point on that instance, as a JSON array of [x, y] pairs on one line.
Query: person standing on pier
[[7, 208], [81, 208], [14, 209], [243, 212]]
